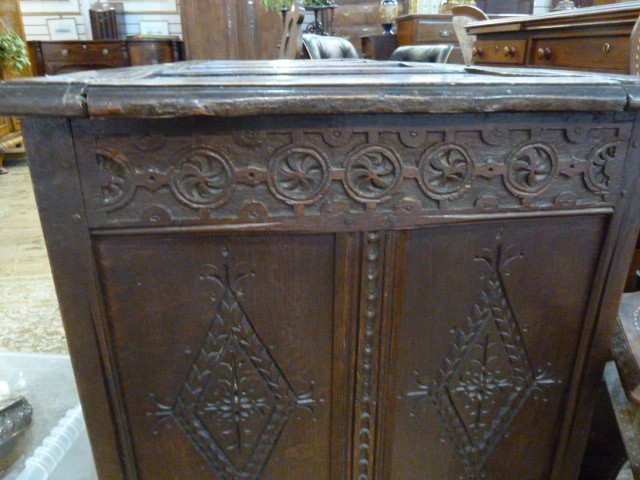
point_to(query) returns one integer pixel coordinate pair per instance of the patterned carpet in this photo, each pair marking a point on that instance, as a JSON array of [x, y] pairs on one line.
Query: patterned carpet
[[29, 315]]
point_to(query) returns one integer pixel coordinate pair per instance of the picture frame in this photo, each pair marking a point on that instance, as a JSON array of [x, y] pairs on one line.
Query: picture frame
[[49, 7], [62, 29], [154, 27], [150, 6]]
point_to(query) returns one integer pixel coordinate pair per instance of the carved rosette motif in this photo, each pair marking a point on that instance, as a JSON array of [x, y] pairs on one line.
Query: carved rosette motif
[[301, 171], [298, 174], [445, 171], [202, 177], [487, 376], [599, 173], [115, 177], [531, 169], [372, 173], [235, 401]]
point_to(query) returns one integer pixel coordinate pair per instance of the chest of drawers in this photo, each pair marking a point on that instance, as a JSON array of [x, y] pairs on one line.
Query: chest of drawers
[[57, 57], [335, 270]]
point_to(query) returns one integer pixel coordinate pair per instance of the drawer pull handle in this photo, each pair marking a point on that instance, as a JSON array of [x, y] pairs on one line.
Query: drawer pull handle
[[509, 51], [544, 53], [606, 48], [445, 33], [64, 52], [477, 51], [105, 51]]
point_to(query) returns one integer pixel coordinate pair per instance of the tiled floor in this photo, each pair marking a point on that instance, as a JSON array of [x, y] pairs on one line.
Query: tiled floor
[[29, 315]]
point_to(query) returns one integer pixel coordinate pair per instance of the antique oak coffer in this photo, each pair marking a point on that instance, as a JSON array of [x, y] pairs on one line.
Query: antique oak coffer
[[335, 270]]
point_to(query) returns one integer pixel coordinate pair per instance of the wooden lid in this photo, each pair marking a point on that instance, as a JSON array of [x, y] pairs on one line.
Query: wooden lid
[[234, 88]]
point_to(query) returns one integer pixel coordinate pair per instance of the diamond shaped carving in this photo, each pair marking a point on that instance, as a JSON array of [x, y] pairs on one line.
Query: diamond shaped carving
[[487, 376], [235, 401]]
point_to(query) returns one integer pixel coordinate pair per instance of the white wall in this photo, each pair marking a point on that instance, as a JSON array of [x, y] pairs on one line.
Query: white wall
[[36, 28], [541, 6]]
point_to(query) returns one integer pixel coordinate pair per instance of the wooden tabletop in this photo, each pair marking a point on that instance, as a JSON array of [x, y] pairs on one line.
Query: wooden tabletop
[[237, 88]]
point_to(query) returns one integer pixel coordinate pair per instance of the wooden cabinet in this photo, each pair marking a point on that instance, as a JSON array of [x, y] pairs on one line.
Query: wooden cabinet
[[230, 29], [280, 276], [426, 29], [379, 47], [54, 58], [357, 18], [592, 39]]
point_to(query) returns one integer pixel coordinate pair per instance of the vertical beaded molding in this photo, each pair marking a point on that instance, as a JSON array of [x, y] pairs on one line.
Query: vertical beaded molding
[[368, 347]]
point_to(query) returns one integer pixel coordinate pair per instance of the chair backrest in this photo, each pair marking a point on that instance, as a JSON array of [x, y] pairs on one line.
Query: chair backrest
[[460, 17], [317, 47], [422, 53], [290, 43]]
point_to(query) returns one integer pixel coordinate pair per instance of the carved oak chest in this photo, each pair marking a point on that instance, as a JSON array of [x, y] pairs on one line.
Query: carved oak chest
[[335, 270]]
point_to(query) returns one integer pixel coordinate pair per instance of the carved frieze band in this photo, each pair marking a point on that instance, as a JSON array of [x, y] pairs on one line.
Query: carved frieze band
[[303, 173]]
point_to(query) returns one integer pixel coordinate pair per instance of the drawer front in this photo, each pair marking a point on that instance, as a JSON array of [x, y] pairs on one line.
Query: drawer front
[[498, 51], [609, 53], [434, 32], [93, 52], [271, 172], [150, 53]]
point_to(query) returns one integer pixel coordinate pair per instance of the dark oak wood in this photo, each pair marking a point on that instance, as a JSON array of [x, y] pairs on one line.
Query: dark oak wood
[[336, 270], [378, 47], [593, 39], [60, 57], [230, 30]]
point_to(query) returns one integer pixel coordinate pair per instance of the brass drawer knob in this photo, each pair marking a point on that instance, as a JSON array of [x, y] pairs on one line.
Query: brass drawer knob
[[544, 53], [105, 51], [606, 48], [509, 51], [477, 51], [64, 52], [445, 33]]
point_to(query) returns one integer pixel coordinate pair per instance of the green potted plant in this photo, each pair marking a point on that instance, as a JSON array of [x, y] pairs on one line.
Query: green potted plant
[[13, 51]]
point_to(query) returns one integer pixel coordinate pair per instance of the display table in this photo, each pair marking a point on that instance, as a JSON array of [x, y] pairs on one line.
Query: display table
[[335, 270], [593, 39]]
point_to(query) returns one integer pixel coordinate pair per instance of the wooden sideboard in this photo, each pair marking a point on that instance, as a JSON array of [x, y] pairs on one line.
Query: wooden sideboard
[[418, 29], [378, 47], [593, 38], [335, 270], [57, 57]]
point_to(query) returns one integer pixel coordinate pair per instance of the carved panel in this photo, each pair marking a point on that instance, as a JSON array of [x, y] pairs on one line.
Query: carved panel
[[487, 376], [297, 174], [235, 401]]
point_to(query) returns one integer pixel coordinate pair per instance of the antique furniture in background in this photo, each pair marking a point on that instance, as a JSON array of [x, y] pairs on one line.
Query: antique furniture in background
[[345, 270], [107, 20], [230, 29], [592, 39], [358, 18], [323, 22], [54, 58], [291, 40], [378, 47], [426, 30], [623, 377], [10, 133], [318, 47], [461, 16], [422, 53]]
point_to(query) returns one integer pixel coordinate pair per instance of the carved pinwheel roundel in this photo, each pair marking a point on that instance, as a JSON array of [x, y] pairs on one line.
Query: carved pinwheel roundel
[[298, 174], [201, 177], [531, 169], [445, 171], [372, 173]]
